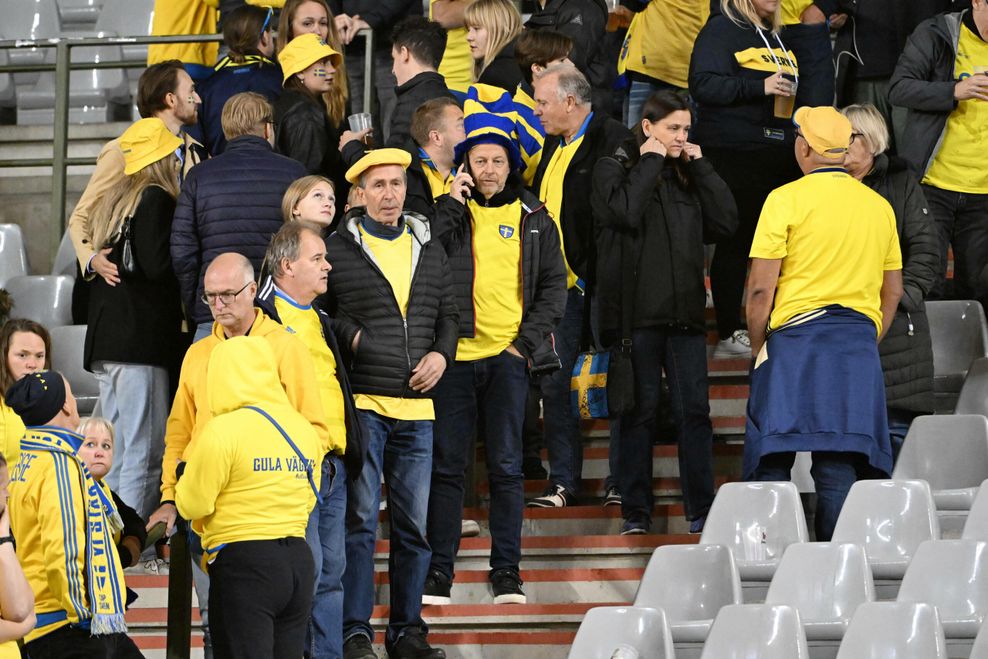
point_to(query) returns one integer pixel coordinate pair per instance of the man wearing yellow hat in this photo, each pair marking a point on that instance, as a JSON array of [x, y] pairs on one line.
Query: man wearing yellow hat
[[391, 295], [826, 278]]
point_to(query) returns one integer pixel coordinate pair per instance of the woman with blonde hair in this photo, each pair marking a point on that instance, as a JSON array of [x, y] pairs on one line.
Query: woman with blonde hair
[[492, 27], [134, 335], [310, 199]]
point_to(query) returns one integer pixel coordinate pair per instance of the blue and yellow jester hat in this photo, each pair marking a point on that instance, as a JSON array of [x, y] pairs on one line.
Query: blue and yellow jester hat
[[486, 120]]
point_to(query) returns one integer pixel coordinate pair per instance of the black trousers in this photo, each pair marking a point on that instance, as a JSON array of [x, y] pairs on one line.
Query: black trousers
[[260, 596], [962, 223], [74, 643]]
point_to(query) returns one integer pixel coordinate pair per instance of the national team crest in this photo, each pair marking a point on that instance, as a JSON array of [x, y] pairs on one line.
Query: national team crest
[[506, 231]]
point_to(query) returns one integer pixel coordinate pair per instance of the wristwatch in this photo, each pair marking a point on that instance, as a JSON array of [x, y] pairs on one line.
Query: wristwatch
[[7, 538]]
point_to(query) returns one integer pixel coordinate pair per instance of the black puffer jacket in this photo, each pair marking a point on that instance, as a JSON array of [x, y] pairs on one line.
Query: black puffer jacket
[[231, 203], [543, 272], [645, 213], [304, 133], [360, 298], [906, 350], [423, 87]]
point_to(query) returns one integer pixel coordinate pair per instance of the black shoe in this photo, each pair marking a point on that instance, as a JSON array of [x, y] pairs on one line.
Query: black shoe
[[412, 645], [506, 585], [436, 590], [358, 646], [533, 470]]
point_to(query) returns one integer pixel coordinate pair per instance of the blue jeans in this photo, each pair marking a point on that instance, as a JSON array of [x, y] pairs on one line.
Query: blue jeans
[[325, 536], [899, 422], [683, 355], [493, 389], [562, 436], [833, 475], [402, 451], [638, 93]]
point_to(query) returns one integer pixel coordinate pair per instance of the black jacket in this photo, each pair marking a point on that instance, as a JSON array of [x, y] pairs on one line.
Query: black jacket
[[543, 272], [604, 136], [256, 74], [423, 87], [304, 133], [356, 443], [503, 71], [139, 321], [906, 350], [361, 299], [923, 81], [647, 216], [231, 203]]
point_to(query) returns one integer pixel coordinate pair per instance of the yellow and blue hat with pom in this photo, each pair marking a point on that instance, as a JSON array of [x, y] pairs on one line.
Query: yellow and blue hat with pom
[[488, 120]]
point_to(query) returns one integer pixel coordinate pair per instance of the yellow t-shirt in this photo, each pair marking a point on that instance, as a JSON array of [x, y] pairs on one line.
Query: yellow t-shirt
[[551, 190], [437, 183], [661, 38], [457, 63], [793, 9], [303, 322], [11, 433], [497, 286], [836, 238], [184, 17], [394, 258], [960, 163], [9, 650]]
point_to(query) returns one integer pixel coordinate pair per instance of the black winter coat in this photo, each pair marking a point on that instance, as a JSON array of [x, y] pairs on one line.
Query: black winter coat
[[503, 71], [906, 350], [304, 133], [139, 321], [543, 272], [360, 298], [423, 87], [604, 137], [231, 203], [647, 216]]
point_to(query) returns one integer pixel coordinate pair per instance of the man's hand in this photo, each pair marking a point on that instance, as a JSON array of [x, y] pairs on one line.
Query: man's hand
[[812, 16], [351, 136], [652, 145], [692, 151], [512, 350], [5, 522], [166, 513], [101, 265], [459, 189], [358, 25], [344, 25], [975, 86], [837, 21], [427, 373]]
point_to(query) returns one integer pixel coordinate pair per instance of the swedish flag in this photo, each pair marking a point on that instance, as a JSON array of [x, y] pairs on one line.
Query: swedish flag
[[588, 385]]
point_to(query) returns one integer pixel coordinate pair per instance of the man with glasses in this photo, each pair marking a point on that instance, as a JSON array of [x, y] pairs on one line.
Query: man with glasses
[[232, 204], [228, 292], [825, 281]]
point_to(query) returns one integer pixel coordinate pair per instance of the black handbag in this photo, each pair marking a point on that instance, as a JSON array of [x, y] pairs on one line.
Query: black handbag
[[125, 248]]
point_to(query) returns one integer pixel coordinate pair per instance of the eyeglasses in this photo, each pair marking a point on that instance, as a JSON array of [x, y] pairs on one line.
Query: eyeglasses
[[267, 21], [210, 299], [855, 136]]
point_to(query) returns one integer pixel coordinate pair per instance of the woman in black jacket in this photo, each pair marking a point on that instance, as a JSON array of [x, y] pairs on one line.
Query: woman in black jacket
[[492, 27], [907, 350], [654, 213]]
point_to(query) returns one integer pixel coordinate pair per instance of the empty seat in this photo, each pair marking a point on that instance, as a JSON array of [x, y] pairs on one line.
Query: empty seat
[[825, 582], [980, 649], [746, 631], [30, 20], [976, 527], [65, 259], [605, 628], [44, 299], [77, 12], [757, 521], [960, 335], [690, 583], [13, 257], [952, 575], [950, 452], [128, 18], [67, 347], [973, 398], [903, 630], [889, 519]]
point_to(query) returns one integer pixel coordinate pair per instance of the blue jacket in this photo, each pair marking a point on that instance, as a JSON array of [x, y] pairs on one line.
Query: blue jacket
[[256, 74], [231, 203]]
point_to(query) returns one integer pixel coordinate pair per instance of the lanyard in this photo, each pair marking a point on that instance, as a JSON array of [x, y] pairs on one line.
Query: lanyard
[[778, 62]]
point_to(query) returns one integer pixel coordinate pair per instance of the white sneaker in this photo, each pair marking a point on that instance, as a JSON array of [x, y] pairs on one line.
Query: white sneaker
[[737, 346], [469, 528]]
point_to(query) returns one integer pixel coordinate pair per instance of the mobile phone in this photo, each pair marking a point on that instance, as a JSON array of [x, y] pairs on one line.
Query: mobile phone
[[156, 533]]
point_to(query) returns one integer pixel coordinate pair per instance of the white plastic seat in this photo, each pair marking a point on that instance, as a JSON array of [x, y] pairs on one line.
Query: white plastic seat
[[762, 631], [980, 648], [952, 575], [13, 257], [44, 299], [128, 18], [899, 630], [65, 259], [604, 628], [973, 398], [67, 348], [960, 335], [950, 452], [825, 582], [757, 521], [690, 583], [30, 20], [889, 519], [976, 527], [78, 12]]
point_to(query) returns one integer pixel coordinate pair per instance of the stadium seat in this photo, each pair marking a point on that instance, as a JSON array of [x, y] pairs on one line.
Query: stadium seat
[[976, 527], [8, 90], [825, 582], [13, 257], [980, 648], [67, 346], [973, 398], [960, 335], [128, 18], [899, 630], [79, 12], [605, 628], [952, 575], [950, 452], [690, 583], [30, 20], [44, 299], [745, 631], [65, 260]]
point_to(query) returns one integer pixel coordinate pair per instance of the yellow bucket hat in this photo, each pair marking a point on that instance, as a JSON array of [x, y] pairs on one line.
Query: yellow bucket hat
[[378, 157], [826, 130], [303, 51], [146, 142]]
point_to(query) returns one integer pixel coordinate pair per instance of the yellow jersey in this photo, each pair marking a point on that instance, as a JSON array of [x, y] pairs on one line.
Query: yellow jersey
[[457, 63], [660, 39]]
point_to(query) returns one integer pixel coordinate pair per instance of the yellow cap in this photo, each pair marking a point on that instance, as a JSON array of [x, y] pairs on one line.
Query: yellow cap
[[378, 157], [146, 142], [826, 130], [303, 51]]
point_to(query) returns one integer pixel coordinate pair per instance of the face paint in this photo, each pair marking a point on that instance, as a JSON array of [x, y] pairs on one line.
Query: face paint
[[319, 73]]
